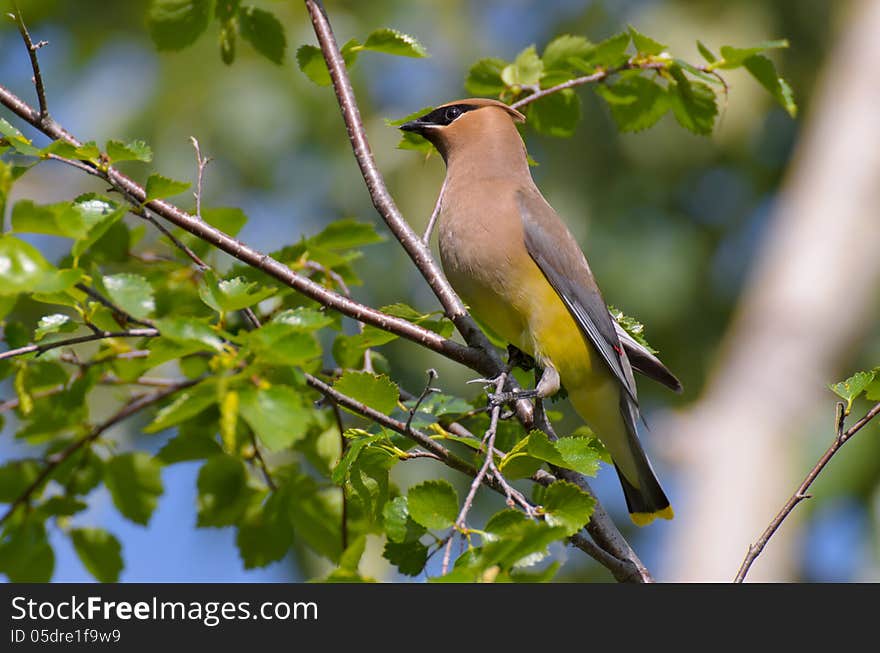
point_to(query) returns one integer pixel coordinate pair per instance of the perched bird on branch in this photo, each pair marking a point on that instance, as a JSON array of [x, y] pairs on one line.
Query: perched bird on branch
[[512, 259]]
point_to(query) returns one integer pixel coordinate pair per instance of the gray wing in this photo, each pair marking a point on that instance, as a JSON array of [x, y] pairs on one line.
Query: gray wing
[[559, 257], [645, 362]]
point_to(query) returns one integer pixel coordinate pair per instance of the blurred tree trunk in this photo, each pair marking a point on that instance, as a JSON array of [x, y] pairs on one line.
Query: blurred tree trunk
[[807, 302]]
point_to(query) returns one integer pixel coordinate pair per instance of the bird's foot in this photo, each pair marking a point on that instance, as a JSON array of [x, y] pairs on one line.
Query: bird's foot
[[502, 398]]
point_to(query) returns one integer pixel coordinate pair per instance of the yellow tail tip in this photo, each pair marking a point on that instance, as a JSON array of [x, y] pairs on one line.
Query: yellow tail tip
[[645, 518]]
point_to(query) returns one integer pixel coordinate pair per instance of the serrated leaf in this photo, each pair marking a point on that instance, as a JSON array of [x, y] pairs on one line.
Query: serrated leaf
[[346, 234], [557, 114], [764, 71], [357, 440], [281, 344], [850, 389], [315, 515], [632, 326], [567, 506], [132, 293], [303, 319], [375, 391], [609, 53], [580, 454], [409, 557], [55, 323], [228, 295], [175, 24], [135, 484], [518, 463], [278, 415], [636, 103], [25, 270], [100, 215], [188, 404], [563, 50], [265, 534], [693, 103], [395, 515], [159, 186], [99, 551], [526, 69], [484, 77], [433, 504], [390, 41], [59, 219], [264, 31], [134, 151], [190, 333], [311, 62], [223, 491], [645, 45]]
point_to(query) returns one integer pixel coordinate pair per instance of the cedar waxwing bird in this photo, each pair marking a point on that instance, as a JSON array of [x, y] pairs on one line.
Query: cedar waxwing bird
[[514, 262]]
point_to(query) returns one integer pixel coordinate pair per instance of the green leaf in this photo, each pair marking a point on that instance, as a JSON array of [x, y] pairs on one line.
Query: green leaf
[[278, 415], [55, 323], [350, 559], [526, 69], [228, 295], [563, 50], [190, 332], [159, 186], [396, 520], [265, 534], [390, 41], [228, 39], [636, 103], [135, 484], [567, 506], [484, 77], [557, 114], [315, 515], [62, 506], [53, 219], [632, 326], [852, 388], [645, 45], [229, 220], [189, 446], [303, 319], [25, 270], [580, 454], [433, 504], [735, 57], [188, 404], [15, 477], [281, 344], [17, 140], [264, 31], [693, 103], [100, 215], [223, 491], [25, 554], [409, 557], [175, 24], [346, 234], [764, 71], [358, 439], [134, 151], [132, 293], [706, 52], [609, 53], [311, 62], [375, 391], [99, 551], [517, 463]]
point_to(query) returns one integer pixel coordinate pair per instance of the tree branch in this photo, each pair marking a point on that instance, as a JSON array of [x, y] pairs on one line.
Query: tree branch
[[35, 62], [840, 438], [53, 461], [100, 335]]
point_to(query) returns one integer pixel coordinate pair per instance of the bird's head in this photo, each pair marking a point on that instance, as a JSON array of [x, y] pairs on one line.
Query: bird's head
[[457, 124]]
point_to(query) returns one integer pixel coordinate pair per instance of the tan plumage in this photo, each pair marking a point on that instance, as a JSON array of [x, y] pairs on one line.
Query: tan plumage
[[515, 263]]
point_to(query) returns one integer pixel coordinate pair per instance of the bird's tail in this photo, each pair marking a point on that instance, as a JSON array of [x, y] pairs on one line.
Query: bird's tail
[[645, 499]]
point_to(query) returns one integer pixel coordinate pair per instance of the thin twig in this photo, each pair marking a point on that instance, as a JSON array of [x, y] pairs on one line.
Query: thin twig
[[343, 445], [35, 63], [54, 460], [426, 237], [202, 163], [46, 346], [98, 297], [261, 463], [840, 438], [432, 376]]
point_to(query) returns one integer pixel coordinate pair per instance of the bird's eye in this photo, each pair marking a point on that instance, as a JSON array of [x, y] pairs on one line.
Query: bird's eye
[[452, 113]]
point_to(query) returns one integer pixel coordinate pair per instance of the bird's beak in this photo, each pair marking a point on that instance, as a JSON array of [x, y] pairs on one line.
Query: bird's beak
[[416, 126]]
